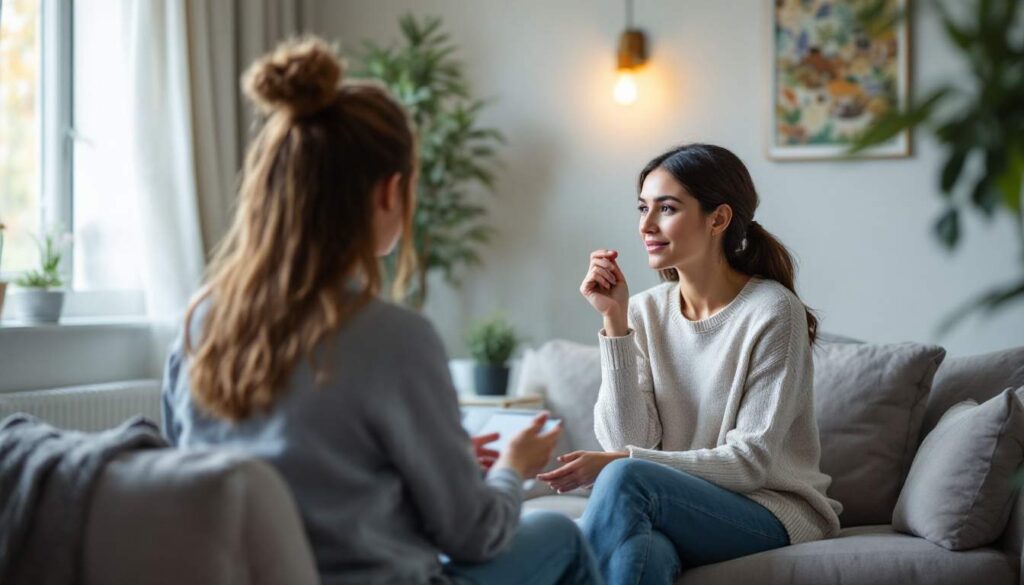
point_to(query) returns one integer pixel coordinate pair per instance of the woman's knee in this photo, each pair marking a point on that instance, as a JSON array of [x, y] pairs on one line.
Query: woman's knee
[[624, 475]]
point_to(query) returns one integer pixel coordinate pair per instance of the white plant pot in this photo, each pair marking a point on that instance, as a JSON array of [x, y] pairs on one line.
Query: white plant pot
[[36, 305]]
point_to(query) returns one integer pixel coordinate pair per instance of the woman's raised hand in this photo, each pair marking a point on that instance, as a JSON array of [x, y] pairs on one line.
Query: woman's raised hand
[[605, 289], [529, 451]]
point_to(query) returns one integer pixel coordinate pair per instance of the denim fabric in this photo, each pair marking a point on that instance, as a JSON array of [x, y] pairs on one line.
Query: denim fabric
[[647, 522], [548, 549]]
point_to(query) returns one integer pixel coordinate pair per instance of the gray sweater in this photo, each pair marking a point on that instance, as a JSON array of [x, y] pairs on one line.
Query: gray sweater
[[378, 462], [728, 399]]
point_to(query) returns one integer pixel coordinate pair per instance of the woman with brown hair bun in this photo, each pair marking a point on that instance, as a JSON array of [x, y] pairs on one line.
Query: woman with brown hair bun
[[287, 354], [706, 407]]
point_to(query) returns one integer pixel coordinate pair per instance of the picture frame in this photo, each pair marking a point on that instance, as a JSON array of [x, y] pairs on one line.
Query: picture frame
[[831, 77]]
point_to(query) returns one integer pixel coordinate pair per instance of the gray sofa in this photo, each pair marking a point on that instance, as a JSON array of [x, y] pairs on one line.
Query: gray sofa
[[210, 517], [866, 396]]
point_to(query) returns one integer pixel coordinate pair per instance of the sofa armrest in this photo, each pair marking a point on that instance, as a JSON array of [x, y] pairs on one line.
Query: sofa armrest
[[170, 516], [1013, 536]]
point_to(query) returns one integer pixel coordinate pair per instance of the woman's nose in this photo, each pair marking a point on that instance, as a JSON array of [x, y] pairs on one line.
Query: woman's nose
[[647, 226]]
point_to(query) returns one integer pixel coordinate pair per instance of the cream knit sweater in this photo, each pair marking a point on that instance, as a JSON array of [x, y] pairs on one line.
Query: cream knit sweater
[[728, 399]]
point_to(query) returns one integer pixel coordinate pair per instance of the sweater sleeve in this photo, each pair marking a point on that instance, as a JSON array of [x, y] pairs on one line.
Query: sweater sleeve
[[625, 412], [781, 368], [468, 518]]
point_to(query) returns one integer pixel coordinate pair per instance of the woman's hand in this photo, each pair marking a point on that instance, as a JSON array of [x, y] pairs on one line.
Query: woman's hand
[[529, 451], [580, 470], [605, 289], [484, 456]]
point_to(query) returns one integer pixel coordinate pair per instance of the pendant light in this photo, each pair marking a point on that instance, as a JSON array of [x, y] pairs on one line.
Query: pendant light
[[631, 55]]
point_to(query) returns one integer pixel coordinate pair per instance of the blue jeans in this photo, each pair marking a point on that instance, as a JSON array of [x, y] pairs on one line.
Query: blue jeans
[[647, 522], [548, 549]]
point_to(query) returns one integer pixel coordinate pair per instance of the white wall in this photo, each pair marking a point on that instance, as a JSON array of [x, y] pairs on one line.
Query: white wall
[[861, 231]]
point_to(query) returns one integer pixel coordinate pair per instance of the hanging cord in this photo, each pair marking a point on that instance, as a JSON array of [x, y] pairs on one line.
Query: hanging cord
[[629, 14]]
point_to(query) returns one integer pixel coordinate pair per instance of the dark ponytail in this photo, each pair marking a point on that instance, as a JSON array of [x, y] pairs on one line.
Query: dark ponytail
[[714, 176]]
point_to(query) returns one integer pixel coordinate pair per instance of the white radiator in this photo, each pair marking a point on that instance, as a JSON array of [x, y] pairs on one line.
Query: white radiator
[[87, 408]]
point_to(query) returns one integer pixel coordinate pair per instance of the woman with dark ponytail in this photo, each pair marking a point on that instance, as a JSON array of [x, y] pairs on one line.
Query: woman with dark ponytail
[[706, 407]]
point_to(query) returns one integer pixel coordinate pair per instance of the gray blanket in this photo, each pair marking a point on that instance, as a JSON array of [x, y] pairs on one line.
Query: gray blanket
[[46, 480]]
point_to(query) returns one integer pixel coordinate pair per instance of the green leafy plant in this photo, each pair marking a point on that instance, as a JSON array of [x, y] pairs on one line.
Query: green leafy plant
[[456, 152], [51, 251], [981, 121], [491, 341]]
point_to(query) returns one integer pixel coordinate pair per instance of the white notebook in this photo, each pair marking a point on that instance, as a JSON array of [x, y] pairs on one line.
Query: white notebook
[[508, 424]]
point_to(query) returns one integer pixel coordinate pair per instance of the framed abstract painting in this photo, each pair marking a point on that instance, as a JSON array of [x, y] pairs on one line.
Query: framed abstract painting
[[837, 65]]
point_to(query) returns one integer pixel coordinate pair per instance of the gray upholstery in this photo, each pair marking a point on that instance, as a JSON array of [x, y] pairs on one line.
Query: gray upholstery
[[869, 400], [865, 555], [960, 488], [974, 377], [200, 517]]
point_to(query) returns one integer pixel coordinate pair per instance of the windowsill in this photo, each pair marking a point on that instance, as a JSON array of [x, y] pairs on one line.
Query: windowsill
[[79, 323], [78, 351]]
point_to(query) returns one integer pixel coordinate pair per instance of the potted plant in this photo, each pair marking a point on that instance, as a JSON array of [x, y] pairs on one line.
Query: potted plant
[[491, 343], [39, 296], [3, 284], [458, 154]]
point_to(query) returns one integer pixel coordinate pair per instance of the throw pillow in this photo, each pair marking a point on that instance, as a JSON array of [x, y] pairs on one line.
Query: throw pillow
[[568, 376], [960, 488], [869, 403]]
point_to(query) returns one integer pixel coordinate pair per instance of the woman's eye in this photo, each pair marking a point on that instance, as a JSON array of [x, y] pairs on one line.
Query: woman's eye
[[642, 209], [667, 209]]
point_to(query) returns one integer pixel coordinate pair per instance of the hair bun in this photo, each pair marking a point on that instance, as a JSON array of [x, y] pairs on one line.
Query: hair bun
[[300, 76]]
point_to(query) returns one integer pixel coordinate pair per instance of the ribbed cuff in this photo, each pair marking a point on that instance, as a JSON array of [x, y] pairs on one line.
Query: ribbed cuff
[[648, 454], [618, 353]]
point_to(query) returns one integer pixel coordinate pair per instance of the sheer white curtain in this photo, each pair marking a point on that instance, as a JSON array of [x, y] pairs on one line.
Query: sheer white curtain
[[190, 127], [162, 156]]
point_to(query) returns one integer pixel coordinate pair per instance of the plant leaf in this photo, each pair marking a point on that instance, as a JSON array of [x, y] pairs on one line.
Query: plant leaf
[[951, 170], [947, 228], [1010, 181], [988, 302], [893, 122]]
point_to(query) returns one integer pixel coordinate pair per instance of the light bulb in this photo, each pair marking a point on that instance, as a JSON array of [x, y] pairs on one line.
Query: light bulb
[[625, 88]]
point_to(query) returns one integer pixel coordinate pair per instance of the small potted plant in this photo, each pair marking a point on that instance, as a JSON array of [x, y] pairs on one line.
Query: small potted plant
[[39, 294], [3, 284], [491, 343]]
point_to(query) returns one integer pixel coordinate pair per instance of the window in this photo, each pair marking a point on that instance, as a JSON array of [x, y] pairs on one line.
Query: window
[[64, 95], [20, 120]]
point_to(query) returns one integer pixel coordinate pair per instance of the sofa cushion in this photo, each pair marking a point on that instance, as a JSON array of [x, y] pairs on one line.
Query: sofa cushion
[[567, 505], [869, 402], [865, 555], [568, 376], [960, 487], [976, 377]]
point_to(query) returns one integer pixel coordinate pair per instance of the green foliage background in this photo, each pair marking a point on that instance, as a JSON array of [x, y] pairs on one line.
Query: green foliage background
[[457, 153]]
